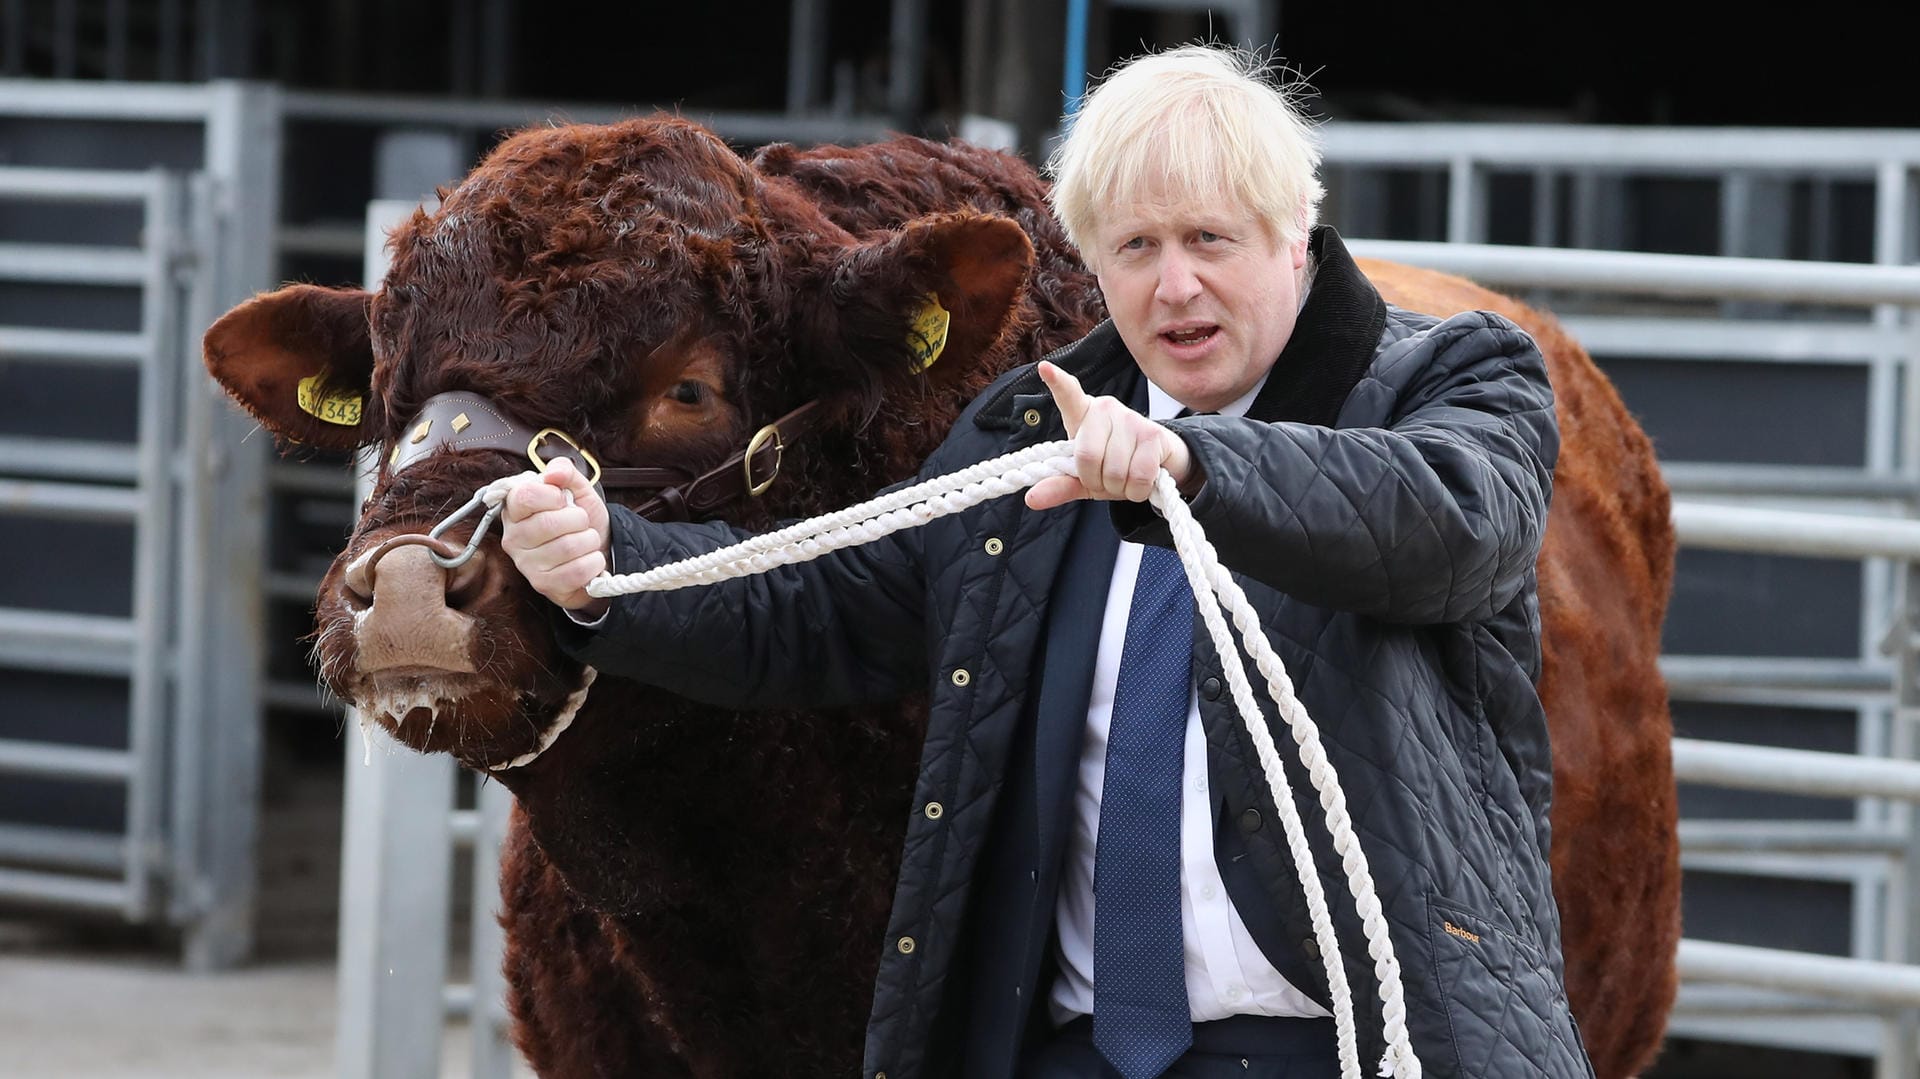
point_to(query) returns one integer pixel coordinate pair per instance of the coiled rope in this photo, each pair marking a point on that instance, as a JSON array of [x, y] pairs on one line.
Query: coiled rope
[[1212, 584]]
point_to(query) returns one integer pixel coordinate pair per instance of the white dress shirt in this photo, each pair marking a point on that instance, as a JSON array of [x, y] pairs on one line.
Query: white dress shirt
[[1227, 974]]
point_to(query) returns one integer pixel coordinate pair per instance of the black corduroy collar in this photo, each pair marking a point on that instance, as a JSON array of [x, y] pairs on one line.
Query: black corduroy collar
[[1332, 343]]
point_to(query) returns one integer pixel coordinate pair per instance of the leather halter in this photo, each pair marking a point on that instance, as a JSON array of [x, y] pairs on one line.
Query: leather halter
[[468, 421]]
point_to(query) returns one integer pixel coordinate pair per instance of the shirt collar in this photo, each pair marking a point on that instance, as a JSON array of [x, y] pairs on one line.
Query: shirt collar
[[1162, 406]]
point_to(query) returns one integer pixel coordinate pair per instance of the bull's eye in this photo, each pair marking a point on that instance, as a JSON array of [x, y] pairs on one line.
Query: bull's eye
[[689, 392]]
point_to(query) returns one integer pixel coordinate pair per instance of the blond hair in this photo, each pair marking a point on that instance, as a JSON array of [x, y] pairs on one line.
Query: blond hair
[[1191, 125]]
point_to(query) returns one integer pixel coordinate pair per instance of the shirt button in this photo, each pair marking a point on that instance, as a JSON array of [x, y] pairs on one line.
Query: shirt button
[[1210, 689], [1311, 946], [961, 677], [1031, 417], [905, 945], [934, 810], [1207, 892], [994, 546], [1250, 820], [1200, 784], [1234, 993]]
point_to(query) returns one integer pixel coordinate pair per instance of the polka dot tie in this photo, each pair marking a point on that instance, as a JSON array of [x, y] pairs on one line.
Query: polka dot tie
[[1141, 1021]]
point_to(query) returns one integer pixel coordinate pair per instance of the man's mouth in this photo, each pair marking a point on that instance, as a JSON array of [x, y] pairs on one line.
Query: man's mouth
[[1190, 336]]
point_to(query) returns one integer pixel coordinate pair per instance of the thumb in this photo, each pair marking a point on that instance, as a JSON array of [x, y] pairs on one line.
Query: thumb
[[561, 473], [1067, 394]]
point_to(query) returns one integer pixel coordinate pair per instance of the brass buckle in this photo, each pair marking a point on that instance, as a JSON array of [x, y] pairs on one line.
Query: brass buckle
[[759, 439], [533, 452]]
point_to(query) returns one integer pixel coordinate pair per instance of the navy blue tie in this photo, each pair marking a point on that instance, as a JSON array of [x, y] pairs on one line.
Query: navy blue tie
[[1141, 1019]]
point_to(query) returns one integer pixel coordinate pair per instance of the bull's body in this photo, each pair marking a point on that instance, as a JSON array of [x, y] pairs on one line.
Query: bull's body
[[689, 892]]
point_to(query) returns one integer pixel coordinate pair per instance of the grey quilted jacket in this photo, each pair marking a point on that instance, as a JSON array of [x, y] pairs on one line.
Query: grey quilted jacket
[[1382, 505]]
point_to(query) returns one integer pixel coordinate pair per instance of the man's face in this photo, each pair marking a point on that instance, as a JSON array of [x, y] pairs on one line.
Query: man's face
[[1204, 296]]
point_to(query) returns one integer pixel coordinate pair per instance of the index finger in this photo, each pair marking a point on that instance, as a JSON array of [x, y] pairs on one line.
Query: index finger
[[1067, 394]]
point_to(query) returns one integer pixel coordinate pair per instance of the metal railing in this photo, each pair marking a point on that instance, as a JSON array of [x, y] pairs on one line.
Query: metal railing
[[189, 647], [140, 492]]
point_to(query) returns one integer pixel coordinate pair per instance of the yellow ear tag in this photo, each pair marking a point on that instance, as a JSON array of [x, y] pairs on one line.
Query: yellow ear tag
[[927, 337], [340, 408]]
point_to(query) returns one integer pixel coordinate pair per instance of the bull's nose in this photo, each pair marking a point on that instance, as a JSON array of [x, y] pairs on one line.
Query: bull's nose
[[409, 623]]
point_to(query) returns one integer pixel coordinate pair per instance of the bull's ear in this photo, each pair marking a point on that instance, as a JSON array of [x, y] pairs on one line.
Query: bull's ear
[[934, 299], [300, 359]]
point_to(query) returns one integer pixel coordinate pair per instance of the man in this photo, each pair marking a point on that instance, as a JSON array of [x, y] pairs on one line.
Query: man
[[1094, 882]]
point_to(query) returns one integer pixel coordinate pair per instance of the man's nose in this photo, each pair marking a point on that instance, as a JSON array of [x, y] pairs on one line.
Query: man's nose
[[1178, 284]]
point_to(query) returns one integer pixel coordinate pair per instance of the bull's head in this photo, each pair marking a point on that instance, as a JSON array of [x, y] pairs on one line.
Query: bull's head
[[644, 290]]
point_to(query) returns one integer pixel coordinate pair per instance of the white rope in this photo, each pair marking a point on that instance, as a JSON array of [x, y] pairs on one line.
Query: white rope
[[922, 502]]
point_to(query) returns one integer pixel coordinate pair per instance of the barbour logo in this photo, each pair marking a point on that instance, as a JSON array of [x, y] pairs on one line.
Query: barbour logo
[[1470, 938]]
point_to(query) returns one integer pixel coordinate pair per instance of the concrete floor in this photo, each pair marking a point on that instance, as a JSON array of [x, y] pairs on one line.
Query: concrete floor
[[86, 1011]]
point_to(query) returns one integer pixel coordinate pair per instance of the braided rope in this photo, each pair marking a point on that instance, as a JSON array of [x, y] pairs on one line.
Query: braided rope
[[1211, 583]]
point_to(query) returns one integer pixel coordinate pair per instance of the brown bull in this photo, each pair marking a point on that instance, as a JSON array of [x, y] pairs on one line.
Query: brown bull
[[689, 892]]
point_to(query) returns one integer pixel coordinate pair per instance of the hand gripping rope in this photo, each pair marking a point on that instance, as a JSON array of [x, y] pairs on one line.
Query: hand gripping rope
[[1212, 584]]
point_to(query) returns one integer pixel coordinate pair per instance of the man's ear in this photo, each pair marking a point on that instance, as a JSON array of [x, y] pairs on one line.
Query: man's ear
[[301, 361], [930, 302]]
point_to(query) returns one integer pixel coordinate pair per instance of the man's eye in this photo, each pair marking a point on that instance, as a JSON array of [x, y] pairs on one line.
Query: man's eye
[[688, 393], [1135, 244], [1208, 237]]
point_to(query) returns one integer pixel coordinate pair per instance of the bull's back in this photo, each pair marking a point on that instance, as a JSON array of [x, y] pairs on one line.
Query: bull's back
[[1605, 571]]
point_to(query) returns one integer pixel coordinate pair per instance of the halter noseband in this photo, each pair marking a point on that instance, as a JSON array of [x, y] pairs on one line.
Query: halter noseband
[[468, 421]]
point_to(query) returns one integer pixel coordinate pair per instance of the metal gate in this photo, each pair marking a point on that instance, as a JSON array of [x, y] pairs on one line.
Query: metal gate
[[131, 507], [73, 617]]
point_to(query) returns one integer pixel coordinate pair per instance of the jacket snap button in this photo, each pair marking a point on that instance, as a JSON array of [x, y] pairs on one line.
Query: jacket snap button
[[906, 945], [1250, 820], [961, 677], [1311, 947], [934, 810], [994, 546], [1032, 417], [1210, 689]]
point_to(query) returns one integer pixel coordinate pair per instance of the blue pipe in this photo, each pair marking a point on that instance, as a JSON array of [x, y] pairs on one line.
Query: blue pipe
[[1075, 82]]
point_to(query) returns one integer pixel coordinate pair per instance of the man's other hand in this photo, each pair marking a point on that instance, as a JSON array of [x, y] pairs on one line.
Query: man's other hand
[[557, 543], [1116, 451]]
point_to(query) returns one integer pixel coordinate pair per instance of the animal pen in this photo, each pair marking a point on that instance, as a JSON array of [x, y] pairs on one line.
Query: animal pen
[[128, 218]]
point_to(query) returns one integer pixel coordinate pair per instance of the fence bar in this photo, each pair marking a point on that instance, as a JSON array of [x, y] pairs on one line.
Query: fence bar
[[1623, 150], [1788, 837], [33, 343], [1794, 771], [73, 264], [65, 848], [1694, 673], [388, 110], [1742, 341], [1794, 532], [69, 501], [1800, 972], [104, 895], [1797, 481], [1701, 276], [69, 458], [66, 762], [73, 185]]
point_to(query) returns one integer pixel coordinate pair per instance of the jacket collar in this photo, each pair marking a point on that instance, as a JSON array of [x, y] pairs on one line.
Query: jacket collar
[[1333, 341]]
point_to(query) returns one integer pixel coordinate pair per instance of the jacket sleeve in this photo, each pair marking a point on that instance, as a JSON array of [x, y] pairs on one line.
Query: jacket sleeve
[[843, 628], [1435, 517]]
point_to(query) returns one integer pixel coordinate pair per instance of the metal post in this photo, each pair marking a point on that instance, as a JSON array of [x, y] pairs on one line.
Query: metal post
[[907, 70], [806, 56], [493, 1052], [152, 539], [225, 618], [1466, 202], [396, 868]]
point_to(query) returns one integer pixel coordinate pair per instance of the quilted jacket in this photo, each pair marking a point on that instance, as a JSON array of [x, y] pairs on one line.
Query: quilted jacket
[[1382, 505]]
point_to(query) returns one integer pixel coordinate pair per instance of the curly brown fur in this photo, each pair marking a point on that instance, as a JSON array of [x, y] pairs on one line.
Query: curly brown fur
[[695, 893]]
